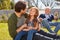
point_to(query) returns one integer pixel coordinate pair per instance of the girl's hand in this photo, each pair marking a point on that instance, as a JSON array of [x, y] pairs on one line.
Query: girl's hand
[[38, 29], [21, 28], [25, 29], [24, 26], [35, 28], [30, 28]]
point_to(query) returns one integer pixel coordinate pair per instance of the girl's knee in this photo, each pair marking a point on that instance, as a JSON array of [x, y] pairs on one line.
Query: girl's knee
[[32, 31]]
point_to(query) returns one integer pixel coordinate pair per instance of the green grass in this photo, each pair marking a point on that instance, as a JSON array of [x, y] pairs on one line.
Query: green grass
[[4, 34]]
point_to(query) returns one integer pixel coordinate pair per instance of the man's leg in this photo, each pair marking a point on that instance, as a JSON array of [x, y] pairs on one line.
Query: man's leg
[[54, 23], [57, 24], [49, 35], [30, 34], [45, 23], [57, 28], [19, 35]]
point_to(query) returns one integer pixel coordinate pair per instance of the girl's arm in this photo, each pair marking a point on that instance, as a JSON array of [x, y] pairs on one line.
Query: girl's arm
[[25, 29], [36, 26], [39, 27], [21, 28]]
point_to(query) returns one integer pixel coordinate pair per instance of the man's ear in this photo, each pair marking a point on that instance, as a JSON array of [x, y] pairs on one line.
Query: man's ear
[[21, 10]]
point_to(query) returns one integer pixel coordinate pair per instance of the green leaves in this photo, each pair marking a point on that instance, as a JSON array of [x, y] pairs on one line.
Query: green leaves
[[4, 4]]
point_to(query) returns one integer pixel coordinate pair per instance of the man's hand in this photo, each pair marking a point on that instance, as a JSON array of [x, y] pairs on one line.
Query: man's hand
[[24, 26], [21, 28], [55, 17], [39, 28]]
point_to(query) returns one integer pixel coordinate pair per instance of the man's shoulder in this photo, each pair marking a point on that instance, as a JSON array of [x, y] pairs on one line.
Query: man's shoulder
[[12, 17], [52, 15], [42, 15]]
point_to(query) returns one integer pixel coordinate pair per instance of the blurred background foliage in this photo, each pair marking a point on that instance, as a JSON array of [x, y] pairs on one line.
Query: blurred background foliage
[[6, 4]]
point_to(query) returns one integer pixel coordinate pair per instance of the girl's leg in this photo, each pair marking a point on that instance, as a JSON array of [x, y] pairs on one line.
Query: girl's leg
[[19, 35], [30, 34]]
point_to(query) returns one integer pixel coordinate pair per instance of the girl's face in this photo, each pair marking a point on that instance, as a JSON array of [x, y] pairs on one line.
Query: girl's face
[[32, 12]]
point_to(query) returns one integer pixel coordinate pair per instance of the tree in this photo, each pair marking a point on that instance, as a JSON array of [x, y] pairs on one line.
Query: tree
[[57, 0], [12, 5], [41, 3], [50, 3], [32, 3], [5, 4], [0, 4]]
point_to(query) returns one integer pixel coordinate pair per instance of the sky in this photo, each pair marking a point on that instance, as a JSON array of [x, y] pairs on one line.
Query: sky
[[16, 0], [39, 4]]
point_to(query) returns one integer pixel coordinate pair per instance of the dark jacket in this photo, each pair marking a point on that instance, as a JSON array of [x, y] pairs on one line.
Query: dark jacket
[[49, 19]]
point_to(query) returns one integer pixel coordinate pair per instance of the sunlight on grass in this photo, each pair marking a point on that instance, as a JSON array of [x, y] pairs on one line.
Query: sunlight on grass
[[4, 34]]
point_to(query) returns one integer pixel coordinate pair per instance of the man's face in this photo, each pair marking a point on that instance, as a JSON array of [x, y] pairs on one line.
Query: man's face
[[23, 11], [47, 11]]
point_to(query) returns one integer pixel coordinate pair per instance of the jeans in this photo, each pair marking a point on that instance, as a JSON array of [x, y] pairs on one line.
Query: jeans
[[57, 24], [29, 36], [47, 24]]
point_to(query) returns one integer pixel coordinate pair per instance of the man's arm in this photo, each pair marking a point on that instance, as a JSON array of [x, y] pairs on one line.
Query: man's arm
[[55, 17], [21, 28], [42, 16], [12, 27]]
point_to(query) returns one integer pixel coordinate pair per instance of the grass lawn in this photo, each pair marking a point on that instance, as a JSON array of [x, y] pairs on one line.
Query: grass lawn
[[4, 34]]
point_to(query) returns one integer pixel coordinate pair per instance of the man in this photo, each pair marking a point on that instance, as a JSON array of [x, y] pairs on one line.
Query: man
[[47, 20], [20, 9]]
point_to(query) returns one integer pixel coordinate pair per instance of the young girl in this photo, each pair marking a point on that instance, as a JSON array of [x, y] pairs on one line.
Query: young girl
[[31, 25]]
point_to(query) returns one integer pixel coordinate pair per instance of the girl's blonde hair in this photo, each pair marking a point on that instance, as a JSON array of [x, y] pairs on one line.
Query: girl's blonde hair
[[35, 16], [37, 11]]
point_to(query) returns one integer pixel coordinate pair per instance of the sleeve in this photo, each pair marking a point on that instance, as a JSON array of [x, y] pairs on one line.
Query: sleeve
[[12, 27], [51, 18], [42, 16]]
